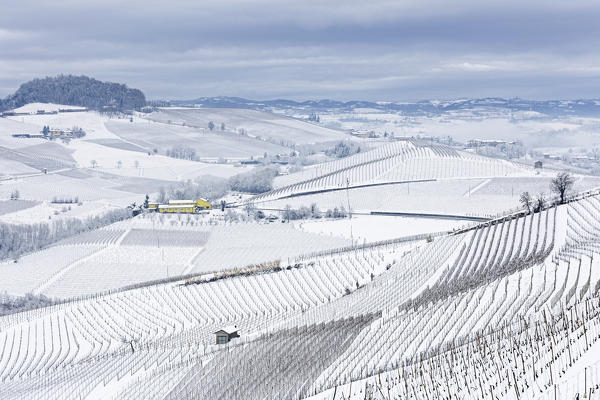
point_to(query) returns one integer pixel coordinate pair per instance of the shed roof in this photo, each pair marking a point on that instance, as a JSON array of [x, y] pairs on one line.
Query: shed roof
[[228, 330]]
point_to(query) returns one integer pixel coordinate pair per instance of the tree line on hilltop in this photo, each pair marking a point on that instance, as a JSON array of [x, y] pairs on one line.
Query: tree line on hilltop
[[80, 91]]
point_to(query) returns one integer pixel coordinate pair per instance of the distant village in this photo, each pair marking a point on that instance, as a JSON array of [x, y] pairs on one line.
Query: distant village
[[53, 133]]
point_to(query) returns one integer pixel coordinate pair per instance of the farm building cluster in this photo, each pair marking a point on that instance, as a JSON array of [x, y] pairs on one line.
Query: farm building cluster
[[53, 133], [181, 206]]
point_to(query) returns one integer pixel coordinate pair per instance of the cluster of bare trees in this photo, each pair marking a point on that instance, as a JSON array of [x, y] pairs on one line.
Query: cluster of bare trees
[[206, 186], [561, 186], [258, 180], [11, 304], [312, 212], [16, 240]]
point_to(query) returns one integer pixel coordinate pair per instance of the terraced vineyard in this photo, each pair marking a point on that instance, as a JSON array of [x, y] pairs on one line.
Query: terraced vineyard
[[400, 161], [152, 247], [508, 309]]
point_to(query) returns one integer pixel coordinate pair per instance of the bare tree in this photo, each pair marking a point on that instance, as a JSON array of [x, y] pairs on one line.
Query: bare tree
[[526, 201], [250, 208], [162, 195], [540, 203], [562, 184]]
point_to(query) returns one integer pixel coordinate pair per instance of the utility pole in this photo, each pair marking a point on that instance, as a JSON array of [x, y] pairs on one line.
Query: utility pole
[[349, 209]]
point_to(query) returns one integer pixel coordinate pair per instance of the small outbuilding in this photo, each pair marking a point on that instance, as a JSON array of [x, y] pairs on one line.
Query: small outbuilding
[[537, 165], [226, 334]]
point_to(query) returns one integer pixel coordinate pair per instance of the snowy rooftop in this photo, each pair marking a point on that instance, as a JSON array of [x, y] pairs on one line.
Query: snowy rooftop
[[228, 329]]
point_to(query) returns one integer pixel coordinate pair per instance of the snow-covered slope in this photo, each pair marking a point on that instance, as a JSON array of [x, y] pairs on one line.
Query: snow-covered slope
[[274, 128], [400, 161], [150, 247], [33, 108], [507, 309]]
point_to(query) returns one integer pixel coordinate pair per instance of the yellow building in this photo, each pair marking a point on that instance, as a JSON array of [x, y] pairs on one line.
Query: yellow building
[[177, 209], [182, 206]]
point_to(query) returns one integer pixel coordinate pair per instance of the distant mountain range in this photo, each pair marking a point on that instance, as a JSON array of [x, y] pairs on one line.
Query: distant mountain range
[[94, 94], [587, 107]]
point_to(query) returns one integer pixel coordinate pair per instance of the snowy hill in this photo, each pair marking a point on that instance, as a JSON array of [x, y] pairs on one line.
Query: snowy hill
[[412, 297], [400, 161], [582, 107], [273, 128], [507, 309]]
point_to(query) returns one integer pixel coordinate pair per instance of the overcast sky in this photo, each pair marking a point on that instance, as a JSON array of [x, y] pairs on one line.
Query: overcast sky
[[304, 49]]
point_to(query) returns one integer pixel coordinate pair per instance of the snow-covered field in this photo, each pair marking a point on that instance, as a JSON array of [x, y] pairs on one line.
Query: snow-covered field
[[363, 228], [508, 310], [151, 247], [48, 211], [13, 206], [368, 307], [207, 144], [121, 157], [101, 170], [275, 128]]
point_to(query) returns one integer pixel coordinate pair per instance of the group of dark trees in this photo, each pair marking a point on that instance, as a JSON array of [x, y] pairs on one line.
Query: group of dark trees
[[76, 91], [182, 152], [16, 240], [212, 126], [560, 185], [65, 200]]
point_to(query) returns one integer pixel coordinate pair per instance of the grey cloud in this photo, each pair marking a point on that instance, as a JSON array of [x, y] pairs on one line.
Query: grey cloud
[[388, 50]]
